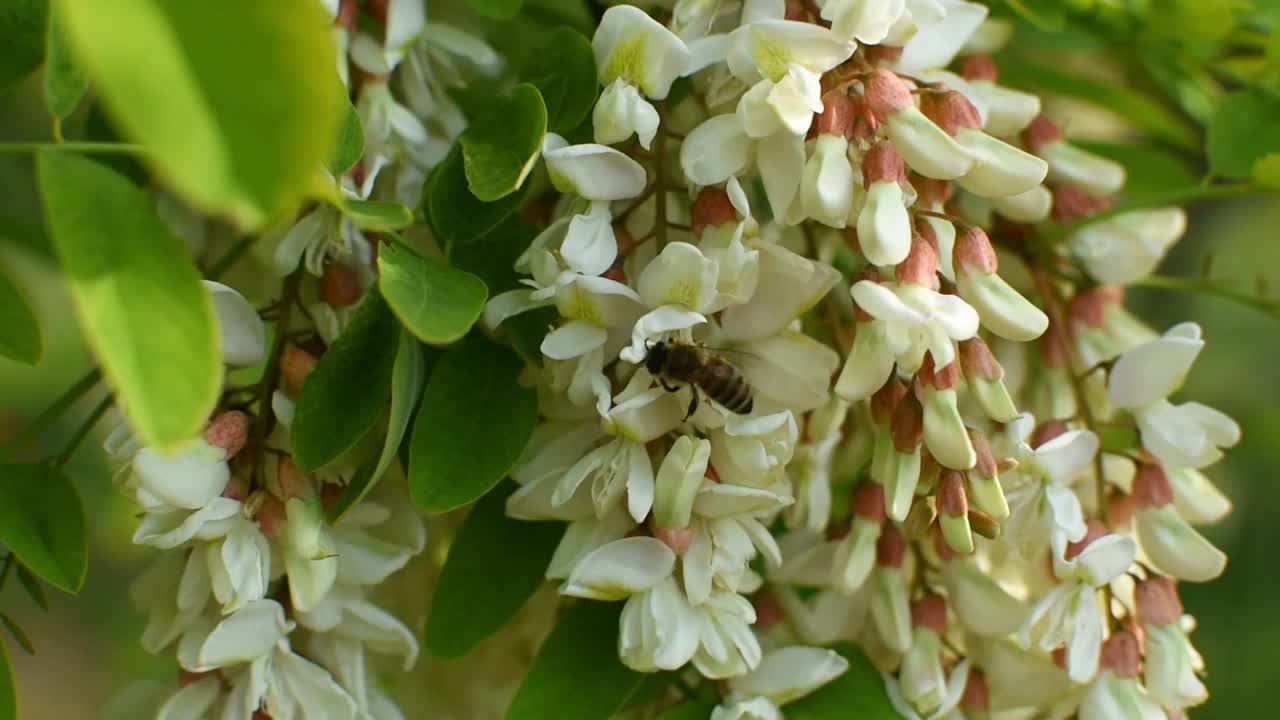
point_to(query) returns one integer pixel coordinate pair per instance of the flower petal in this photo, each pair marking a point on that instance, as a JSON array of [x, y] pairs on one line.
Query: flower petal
[[621, 568]]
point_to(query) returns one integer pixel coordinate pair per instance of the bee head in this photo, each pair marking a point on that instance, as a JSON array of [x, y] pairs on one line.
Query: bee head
[[656, 357]]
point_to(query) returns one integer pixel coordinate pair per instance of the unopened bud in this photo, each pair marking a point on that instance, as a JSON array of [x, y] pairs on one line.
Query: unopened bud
[[1072, 203], [837, 114], [712, 208], [295, 365], [945, 378], [921, 265], [882, 54], [769, 610], [986, 460], [229, 431], [1090, 306], [891, 547], [1121, 654], [979, 67], [868, 502], [932, 192], [237, 488], [885, 401], [1151, 488], [340, 285], [1041, 132], [270, 516], [953, 504], [978, 362], [1055, 346], [951, 111], [1046, 431], [974, 252], [294, 481], [975, 697], [1157, 602], [908, 424], [930, 611], [1094, 529], [982, 524], [882, 162], [1120, 509], [348, 14], [678, 539], [886, 94]]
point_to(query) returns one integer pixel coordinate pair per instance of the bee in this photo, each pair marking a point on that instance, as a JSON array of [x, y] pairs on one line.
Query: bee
[[705, 371]]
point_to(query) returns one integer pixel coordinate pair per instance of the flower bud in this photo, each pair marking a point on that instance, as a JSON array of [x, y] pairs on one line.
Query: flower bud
[[999, 169], [985, 377], [1169, 542], [293, 481], [930, 611], [827, 183], [921, 678], [984, 482], [677, 538], [712, 208], [927, 148], [903, 473], [340, 285], [953, 510], [1031, 206], [1002, 309], [890, 608], [229, 431], [1156, 601], [295, 365], [1121, 654], [1071, 203], [677, 482], [884, 226], [982, 524], [975, 698], [944, 432], [837, 116], [1070, 164], [856, 555]]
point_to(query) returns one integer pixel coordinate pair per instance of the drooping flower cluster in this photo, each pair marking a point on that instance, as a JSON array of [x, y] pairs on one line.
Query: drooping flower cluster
[[991, 554]]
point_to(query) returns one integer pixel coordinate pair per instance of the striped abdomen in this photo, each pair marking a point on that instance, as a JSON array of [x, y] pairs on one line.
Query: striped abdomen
[[724, 384]]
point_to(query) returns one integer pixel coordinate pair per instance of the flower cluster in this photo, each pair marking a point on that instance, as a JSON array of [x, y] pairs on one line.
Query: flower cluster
[[758, 453]]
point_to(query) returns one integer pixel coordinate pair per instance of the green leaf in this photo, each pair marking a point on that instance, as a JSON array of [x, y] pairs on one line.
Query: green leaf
[[474, 422], [343, 397], [141, 303], [492, 258], [576, 13], [498, 9], [22, 26], [1243, 129], [407, 376], [692, 710], [437, 303], [32, 585], [19, 333], [1143, 111], [350, 146], [377, 215], [42, 522], [1267, 171], [232, 99], [577, 666], [64, 82], [468, 606], [1151, 172], [563, 69], [8, 694], [18, 633], [858, 693], [502, 144], [457, 216]]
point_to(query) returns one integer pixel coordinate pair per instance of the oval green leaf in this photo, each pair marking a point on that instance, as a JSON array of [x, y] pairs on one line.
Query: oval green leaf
[[437, 303], [42, 522], [407, 377], [468, 606], [578, 666], [350, 146], [1243, 130], [140, 299], [502, 143], [231, 98], [858, 693], [377, 215], [19, 333], [498, 9], [343, 397], [457, 216], [474, 422], [563, 69], [22, 26], [64, 83]]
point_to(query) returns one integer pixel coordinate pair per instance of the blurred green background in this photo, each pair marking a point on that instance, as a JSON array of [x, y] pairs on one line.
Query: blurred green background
[[87, 654]]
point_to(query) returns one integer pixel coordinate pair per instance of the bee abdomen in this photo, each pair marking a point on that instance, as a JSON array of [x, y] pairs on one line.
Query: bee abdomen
[[724, 385]]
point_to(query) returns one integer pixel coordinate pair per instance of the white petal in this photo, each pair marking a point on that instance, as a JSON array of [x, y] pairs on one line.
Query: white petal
[[595, 172], [590, 246], [788, 286], [790, 673], [573, 339], [680, 276], [1105, 559], [715, 151], [631, 45], [927, 148], [244, 337], [935, 45], [621, 568], [667, 318], [245, 634], [780, 161], [1067, 454], [884, 228], [1175, 548]]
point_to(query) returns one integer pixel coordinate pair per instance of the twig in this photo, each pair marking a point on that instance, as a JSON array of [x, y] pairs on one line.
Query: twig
[[83, 431]]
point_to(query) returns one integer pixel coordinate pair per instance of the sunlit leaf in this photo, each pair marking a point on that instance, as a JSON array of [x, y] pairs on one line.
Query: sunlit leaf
[[19, 333], [474, 422], [467, 605], [350, 144], [437, 303], [377, 215], [64, 82], [347, 392], [578, 666], [140, 298], [232, 98], [42, 522]]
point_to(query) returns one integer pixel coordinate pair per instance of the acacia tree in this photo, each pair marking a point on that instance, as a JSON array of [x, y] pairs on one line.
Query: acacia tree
[[348, 268]]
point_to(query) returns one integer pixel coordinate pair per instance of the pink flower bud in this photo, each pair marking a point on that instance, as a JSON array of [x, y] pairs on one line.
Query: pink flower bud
[[930, 611], [1072, 203], [930, 191], [769, 611], [1090, 306], [271, 517], [946, 378], [986, 464], [712, 208], [294, 481], [979, 67], [921, 264], [1120, 509], [882, 54], [907, 426], [237, 488], [974, 253], [1121, 655], [678, 539], [891, 547], [885, 401], [952, 500], [1055, 346], [1157, 601], [295, 365], [886, 94], [348, 14], [340, 285], [838, 114], [978, 362], [1094, 529], [229, 431], [868, 502], [951, 111], [1040, 132], [975, 697], [1151, 488], [984, 525], [882, 162]]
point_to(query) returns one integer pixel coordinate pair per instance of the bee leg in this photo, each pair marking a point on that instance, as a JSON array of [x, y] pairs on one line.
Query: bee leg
[[665, 386], [693, 404]]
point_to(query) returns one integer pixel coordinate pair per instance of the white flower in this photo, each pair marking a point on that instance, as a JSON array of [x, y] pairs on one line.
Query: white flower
[[346, 613], [916, 320], [308, 550], [754, 451], [1126, 248], [188, 479], [239, 564], [868, 21], [405, 22], [1187, 435], [593, 172], [933, 32], [634, 54], [1045, 504], [788, 286], [783, 675], [244, 337]]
